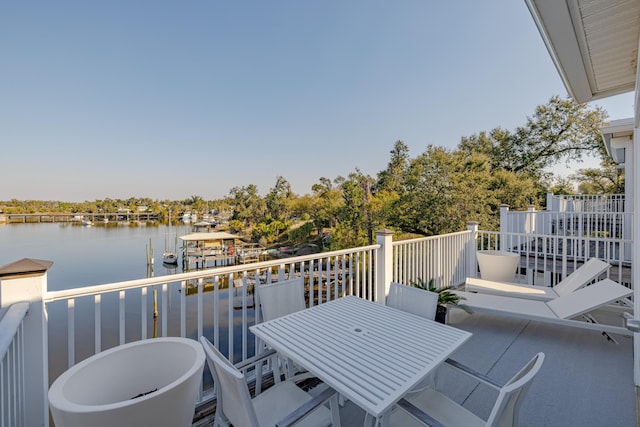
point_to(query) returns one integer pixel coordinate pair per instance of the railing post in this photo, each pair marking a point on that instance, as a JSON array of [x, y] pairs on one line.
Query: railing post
[[385, 264], [26, 281], [531, 222], [472, 247], [504, 227]]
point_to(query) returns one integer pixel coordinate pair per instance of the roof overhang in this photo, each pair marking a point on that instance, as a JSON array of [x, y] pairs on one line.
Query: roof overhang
[[220, 235], [593, 43], [617, 130]]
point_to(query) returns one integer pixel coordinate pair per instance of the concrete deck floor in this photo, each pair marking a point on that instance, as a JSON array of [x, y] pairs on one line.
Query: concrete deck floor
[[585, 379]]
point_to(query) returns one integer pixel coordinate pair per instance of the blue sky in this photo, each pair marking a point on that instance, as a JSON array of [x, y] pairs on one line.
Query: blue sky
[[168, 99]]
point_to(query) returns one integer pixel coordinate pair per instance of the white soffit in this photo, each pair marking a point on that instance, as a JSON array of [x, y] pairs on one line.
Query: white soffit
[[617, 129], [593, 43]]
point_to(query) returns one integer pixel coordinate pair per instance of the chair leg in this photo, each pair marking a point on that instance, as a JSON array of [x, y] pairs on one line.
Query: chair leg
[[335, 414], [369, 420], [219, 420]]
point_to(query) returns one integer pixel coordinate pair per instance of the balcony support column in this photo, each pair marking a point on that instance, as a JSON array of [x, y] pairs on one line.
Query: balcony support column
[[634, 171]]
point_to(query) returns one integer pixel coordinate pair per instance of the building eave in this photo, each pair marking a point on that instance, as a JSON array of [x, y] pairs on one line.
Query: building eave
[[595, 58]]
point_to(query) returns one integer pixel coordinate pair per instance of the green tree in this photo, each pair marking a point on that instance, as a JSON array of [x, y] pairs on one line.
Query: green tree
[[326, 204], [278, 200], [561, 185], [391, 178], [607, 179], [562, 130], [355, 221], [249, 208]]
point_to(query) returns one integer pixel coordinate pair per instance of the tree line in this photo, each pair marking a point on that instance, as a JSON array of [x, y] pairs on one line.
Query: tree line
[[436, 192]]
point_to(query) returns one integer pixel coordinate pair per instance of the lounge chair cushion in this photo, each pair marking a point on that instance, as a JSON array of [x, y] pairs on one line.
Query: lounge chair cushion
[[565, 307], [583, 275], [540, 293]]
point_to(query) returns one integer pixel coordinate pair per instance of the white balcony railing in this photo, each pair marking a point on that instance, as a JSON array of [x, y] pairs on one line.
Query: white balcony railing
[[12, 368], [547, 259], [219, 303], [65, 327], [444, 259], [586, 203]]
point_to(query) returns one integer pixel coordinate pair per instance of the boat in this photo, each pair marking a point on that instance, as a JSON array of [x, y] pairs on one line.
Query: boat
[[170, 258]]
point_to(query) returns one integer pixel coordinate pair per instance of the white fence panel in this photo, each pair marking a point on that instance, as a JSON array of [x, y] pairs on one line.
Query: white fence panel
[[438, 258], [12, 368]]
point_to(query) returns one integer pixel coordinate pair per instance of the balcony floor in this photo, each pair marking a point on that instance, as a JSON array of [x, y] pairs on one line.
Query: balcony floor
[[585, 379]]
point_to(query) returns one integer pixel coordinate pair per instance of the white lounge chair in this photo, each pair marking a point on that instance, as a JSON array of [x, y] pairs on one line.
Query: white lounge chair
[[559, 310], [582, 276], [282, 404], [433, 408], [413, 300]]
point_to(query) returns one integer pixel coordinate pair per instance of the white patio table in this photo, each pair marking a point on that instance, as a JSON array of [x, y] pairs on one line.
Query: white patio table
[[370, 353]]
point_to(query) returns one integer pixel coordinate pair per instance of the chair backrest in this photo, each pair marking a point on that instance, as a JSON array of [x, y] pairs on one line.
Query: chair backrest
[[505, 410], [233, 399], [413, 300], [281, 298], [581, 276], [588, 299]]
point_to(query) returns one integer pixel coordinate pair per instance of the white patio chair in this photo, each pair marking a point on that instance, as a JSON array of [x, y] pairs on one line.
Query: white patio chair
[[283, 404], [435, 409], [416, 301], [579, 278], [420, 302], [281, 298], [561, 310]]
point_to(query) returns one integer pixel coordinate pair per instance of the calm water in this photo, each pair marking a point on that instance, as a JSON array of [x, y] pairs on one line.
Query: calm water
[[85, 256]]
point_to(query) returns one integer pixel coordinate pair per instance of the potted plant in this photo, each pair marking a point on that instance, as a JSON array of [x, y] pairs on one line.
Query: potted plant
[[445, 298]]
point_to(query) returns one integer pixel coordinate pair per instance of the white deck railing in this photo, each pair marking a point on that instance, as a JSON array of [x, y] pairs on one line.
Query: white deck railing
[[220, 303], [547, 259], [586, 203], [444, 259], [12, 367], [602, 224]]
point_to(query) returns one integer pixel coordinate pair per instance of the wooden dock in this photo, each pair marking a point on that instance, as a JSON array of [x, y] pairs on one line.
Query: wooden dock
[[78, 217]]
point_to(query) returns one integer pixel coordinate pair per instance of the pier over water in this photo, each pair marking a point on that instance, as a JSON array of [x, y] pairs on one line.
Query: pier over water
[[75, 217]]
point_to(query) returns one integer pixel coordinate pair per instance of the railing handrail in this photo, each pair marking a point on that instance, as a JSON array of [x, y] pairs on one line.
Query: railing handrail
[[10, 323], [51, 296], [550, 213], [530, 236], [427, 238], [589, 196]]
